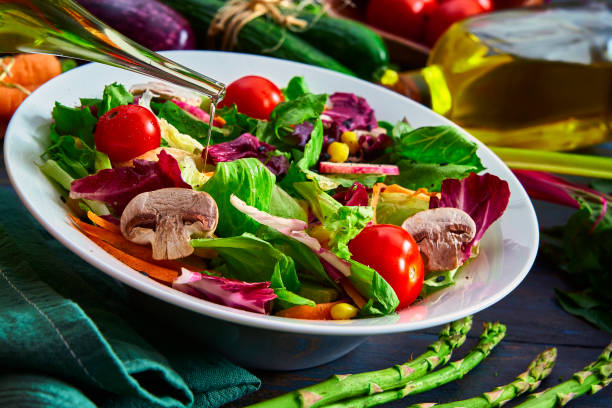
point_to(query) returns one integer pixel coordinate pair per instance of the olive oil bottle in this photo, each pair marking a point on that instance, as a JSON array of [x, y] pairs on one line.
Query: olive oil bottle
[[534, 78]]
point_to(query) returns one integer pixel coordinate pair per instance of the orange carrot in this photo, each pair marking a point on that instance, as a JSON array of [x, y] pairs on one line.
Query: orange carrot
[[102, 223], [376, 189], [118, 241], [159, 273], [321, 311], [352, 292]]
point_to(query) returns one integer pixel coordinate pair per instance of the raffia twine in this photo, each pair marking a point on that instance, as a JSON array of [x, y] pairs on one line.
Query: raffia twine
[[6, 64], [235, 14]]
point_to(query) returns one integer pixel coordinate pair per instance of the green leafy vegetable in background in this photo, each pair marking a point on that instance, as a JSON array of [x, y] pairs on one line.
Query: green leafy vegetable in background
[[249, 180], [237, 123], [428, 155], [582, 249], [114, 95], [312, 150], [283, 205]]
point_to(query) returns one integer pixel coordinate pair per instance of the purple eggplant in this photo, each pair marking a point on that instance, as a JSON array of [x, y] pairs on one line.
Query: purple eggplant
[[148, 22]]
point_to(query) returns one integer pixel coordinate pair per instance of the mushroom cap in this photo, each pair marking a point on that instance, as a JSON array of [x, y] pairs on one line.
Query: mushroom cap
[[167, 219], [167, 91], [440, 234]]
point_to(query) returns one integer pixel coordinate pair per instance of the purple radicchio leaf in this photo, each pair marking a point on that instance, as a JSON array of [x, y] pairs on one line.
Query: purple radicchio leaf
[[374, 144], [248, 145], [116, 187], [356, 195], [484, 198], [252, 297], [302, 133]]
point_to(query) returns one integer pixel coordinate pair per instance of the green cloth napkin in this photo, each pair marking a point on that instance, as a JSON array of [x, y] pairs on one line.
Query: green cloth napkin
[[68, 337]]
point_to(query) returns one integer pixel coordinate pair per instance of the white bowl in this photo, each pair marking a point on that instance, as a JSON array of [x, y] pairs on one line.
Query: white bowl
[[507, 250]]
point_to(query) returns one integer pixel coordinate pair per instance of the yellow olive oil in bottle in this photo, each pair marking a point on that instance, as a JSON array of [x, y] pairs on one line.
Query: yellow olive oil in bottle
[[534, 78]]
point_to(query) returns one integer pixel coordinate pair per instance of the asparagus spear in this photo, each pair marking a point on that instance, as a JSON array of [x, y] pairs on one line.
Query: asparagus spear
[[539, 369], [345, 386], [591, 379], [493, 333]]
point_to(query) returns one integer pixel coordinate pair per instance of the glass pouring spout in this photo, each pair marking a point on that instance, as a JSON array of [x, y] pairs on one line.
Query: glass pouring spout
[[62, 27]]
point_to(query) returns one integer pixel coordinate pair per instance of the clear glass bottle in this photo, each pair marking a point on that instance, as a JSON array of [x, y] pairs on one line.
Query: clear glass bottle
[[533, 77]]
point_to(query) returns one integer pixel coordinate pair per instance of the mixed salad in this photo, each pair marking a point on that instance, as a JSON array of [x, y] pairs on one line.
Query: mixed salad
[[304, 205]]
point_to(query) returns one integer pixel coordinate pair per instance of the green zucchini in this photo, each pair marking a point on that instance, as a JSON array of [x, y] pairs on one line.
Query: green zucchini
[[350, 42], [260, 36]]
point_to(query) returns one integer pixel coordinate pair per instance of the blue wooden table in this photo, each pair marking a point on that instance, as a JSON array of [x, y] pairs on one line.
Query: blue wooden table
[[534, 320]]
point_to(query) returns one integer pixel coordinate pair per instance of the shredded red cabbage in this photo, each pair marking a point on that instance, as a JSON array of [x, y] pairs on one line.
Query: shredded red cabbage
[[349, 112]]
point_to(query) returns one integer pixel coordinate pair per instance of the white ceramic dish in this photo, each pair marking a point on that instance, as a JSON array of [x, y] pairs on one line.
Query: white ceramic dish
[[507, 250]]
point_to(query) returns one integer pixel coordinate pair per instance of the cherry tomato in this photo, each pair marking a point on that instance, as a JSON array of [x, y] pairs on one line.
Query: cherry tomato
[[127, 131], [450, 12], [406, 18], [393, 253], [254, 96], [504, 4]]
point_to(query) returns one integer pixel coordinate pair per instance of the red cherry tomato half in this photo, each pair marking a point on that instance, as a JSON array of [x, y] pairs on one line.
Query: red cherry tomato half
[[254, 96], [405, 18], [450, 12], [127, 131], [393, 253]]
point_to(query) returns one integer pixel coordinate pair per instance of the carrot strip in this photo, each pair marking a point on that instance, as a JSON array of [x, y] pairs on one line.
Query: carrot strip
[[321, 311], [159, 273], [118, 241], [352, 292], [376, 190], [102, 223]]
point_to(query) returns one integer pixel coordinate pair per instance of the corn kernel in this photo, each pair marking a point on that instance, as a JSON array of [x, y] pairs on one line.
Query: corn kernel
[[351, 140], [343, 311], [338, 152]]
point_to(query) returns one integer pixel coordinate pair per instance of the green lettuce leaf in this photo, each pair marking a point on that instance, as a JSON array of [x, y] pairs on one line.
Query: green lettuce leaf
[[75, 157], [394, 208], [307, 262], [343, 222], [78, 122], [283, 205], [437, 281], [312, 150], [382, 299], [114, 95], [428, 155], [188, 124], [92, 103], [250, 181], [237, 123], [250, 259], [306, 107], [295, 88]]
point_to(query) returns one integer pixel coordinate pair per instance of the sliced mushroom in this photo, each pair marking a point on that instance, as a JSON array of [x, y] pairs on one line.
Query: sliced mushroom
[[440, 234], [167, 91], [168, 218]]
